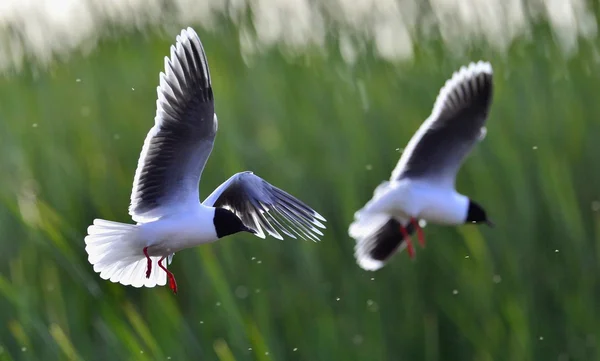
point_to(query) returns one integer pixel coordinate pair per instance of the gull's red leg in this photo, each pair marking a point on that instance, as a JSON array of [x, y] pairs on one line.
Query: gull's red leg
[[409, 245], [170, 276], [420, 234], [149, 267]]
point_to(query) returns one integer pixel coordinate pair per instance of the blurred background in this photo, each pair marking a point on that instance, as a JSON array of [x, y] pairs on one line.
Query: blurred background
[[319, 98]]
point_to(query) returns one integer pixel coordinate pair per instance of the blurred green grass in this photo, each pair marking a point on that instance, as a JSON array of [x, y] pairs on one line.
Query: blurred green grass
[[328, 133]]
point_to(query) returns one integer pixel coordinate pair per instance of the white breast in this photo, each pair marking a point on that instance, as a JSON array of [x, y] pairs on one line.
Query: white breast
[[439, 205], [179, 231], [415, 198]]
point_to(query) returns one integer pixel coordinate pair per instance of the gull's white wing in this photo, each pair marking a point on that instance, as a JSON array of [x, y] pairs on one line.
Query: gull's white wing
[[438, 148], [181, 140], [261, 205]]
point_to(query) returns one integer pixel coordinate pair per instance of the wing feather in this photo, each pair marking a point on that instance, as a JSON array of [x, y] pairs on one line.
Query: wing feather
[[456, 124], [178, 145], [266, 208]]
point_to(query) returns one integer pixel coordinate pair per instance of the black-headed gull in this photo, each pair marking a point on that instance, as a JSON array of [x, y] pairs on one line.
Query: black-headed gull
[[422, 184], [165, 197]]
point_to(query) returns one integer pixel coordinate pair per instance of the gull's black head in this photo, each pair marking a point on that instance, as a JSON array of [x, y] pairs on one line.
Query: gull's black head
[[226, 223], [476, 214]]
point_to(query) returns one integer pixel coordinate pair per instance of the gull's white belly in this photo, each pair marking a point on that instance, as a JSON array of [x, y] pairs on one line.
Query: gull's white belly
[[439, 205], [175, 233], [418, 199], [442, 213]]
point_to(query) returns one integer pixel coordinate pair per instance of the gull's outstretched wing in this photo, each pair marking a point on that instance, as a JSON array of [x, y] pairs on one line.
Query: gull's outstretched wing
[[438, 148], [261, 205], [181, 140]]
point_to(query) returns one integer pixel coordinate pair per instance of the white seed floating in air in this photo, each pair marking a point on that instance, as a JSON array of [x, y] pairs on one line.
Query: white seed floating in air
[[241, 292]]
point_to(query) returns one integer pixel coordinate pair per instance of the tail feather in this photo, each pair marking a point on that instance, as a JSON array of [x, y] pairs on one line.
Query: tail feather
[[117, 255], [378, 238]]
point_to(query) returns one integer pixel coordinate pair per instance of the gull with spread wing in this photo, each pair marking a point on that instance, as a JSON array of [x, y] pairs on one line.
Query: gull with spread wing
[[165, 197], [422, 184]]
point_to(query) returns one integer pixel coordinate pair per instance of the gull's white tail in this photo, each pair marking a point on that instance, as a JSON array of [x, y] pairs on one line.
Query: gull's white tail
[[116, 252], [377, 233], [378, 238]]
